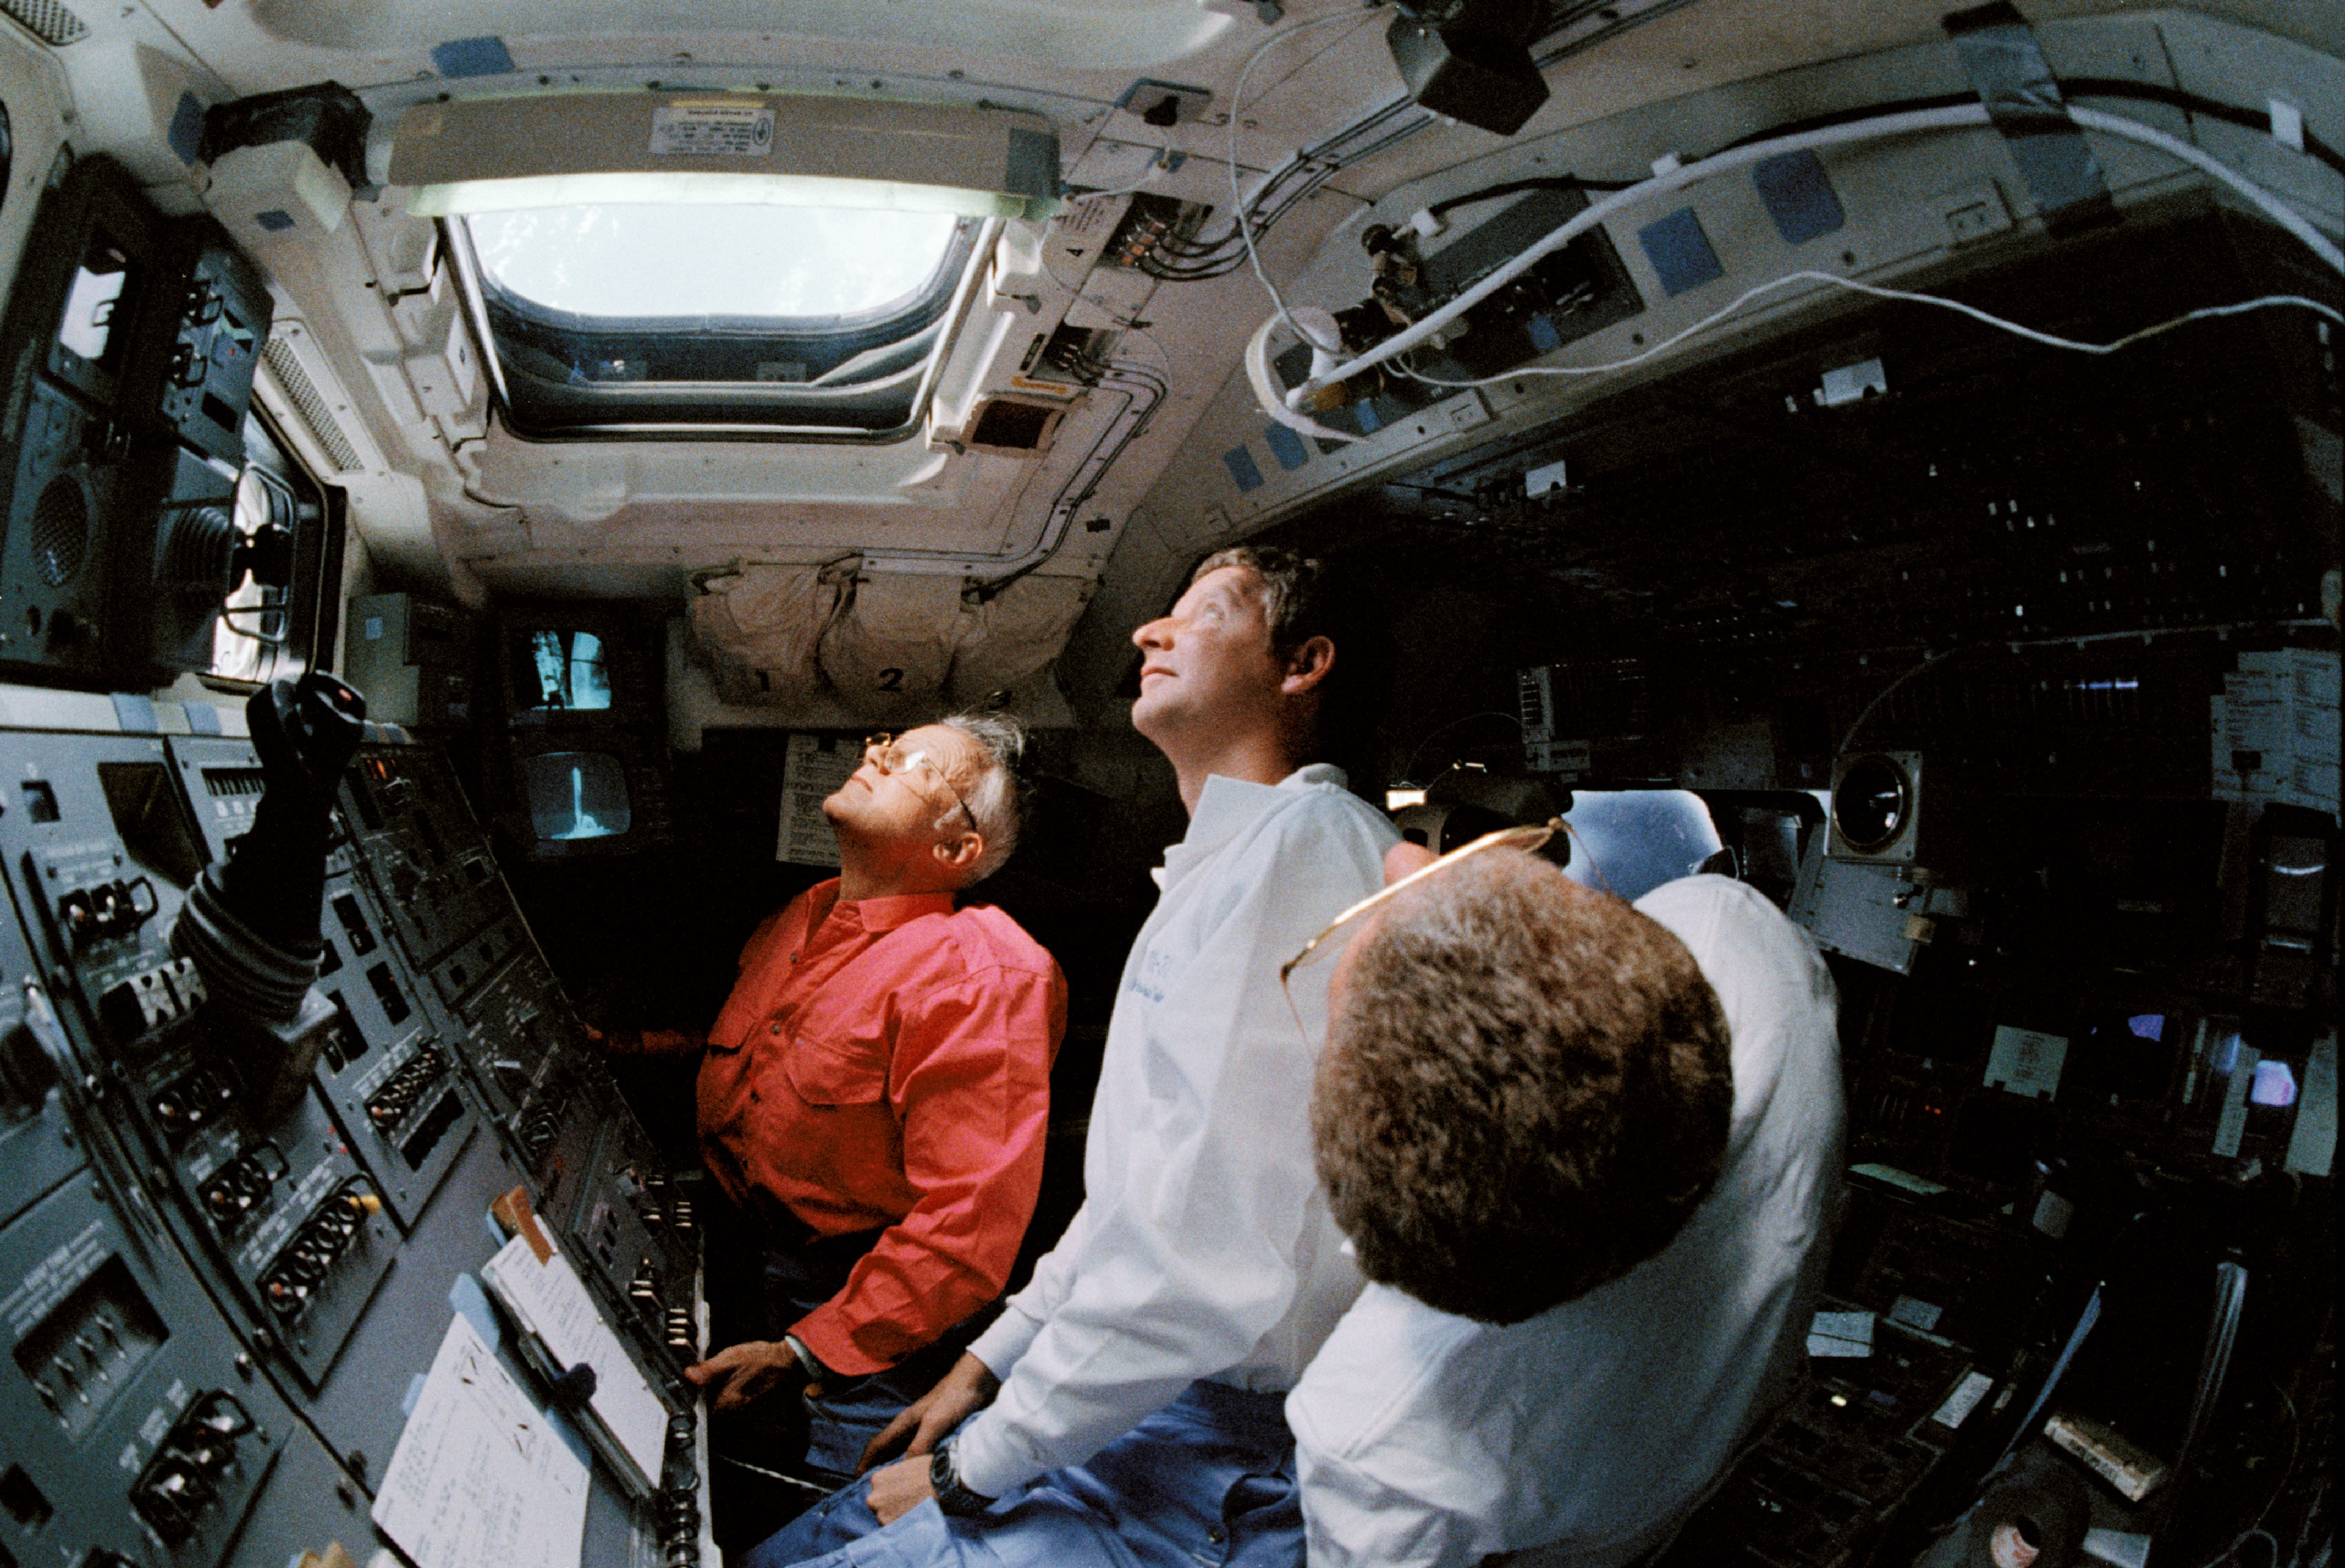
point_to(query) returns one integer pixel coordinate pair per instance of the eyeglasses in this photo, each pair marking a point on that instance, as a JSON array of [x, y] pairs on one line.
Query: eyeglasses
[[890, 758], [1530, 838]]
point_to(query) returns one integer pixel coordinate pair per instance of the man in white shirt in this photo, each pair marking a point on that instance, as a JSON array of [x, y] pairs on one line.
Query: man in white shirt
[[1591, 1169], [1126, 1405]]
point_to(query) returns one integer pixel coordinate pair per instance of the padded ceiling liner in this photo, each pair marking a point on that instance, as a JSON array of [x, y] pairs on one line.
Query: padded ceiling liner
[[1114, 33]]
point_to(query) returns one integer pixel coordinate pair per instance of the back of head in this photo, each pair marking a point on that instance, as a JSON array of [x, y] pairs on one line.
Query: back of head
[[1525, 1092], [996, 794]]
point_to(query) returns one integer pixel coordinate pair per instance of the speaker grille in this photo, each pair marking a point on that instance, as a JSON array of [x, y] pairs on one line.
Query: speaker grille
[[324, 430], [46, 20], [60, 531]]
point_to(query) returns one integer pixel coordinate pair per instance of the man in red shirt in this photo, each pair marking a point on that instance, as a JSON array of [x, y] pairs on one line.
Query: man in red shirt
[[874, 1094]]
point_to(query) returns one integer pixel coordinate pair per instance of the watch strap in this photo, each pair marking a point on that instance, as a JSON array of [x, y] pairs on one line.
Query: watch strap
[[953, 1494]]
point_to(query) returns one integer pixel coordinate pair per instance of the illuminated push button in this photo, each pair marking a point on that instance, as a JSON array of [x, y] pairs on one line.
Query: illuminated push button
[[208, 1454], [171, 1498], [221, 1414]]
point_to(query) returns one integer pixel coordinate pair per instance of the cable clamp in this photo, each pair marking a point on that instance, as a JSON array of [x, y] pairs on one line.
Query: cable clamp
[[2287, 123]]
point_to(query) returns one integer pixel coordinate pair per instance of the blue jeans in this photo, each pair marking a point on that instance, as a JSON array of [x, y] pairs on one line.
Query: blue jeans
[[1207, 1480], [757, 1288]]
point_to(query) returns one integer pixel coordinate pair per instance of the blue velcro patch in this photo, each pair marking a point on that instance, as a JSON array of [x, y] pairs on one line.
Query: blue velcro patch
[[1799, 196], [1243, 468], [186, 136], [1544, 337], [203, 719], [1365, 413], [464, 1294], [134, 714], [277, 220], [471, 57], [1680, 252], [1286, 447]]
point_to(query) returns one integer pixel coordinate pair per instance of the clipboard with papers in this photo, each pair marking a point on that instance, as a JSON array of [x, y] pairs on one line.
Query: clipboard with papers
[[559, 1328], [480, 1476]]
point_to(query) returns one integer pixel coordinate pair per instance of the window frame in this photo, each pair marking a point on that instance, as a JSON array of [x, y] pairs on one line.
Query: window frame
[[751, 410]]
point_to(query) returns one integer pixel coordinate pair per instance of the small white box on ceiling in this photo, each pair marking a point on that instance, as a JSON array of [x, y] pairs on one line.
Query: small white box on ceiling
[[276, 192]]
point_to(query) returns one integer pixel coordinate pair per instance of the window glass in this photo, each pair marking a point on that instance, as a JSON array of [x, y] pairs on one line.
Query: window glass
[[798, 321], [740, 263]]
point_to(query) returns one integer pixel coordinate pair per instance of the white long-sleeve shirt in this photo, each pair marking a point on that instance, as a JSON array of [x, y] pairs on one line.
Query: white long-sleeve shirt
[[1427, 1439], [1204, 1247]]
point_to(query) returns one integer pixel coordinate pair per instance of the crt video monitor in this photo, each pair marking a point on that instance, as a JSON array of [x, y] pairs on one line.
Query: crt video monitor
[[574, 795]]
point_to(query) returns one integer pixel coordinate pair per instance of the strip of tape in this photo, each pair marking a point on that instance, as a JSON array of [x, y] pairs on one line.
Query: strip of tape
[[2005, 64]]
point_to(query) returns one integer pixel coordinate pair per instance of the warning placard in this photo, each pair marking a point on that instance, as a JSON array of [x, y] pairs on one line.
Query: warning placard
[[722, 130]]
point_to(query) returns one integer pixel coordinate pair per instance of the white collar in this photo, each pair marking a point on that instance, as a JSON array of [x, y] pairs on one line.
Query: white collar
[[1226, 806]]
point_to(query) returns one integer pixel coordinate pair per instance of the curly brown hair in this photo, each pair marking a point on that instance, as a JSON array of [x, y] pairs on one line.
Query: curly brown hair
[[1526, 1091]]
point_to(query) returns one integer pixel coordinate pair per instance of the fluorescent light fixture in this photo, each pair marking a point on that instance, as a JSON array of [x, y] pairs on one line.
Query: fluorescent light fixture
[[565, 149], [459, 197]]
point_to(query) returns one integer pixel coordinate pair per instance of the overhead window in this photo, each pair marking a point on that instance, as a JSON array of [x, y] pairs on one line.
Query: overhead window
[[723, 316]]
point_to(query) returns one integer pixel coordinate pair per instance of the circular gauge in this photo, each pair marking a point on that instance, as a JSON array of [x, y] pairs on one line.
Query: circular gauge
[[1873, 803]]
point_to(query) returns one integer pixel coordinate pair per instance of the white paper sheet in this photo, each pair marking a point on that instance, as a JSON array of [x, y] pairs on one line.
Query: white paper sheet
[[810, 773], [552, 1303], [1846, 1334], [478, 1476]]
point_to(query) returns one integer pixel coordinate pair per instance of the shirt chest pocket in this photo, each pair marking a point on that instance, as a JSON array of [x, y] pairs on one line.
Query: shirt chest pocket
[[836, 1073]]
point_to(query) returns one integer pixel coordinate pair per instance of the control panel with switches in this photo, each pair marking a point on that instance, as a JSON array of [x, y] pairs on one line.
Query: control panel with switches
[[226, 1247]]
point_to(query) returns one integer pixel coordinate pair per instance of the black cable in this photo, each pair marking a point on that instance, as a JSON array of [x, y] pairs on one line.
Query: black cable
[[1516, 186], [1844, 117], [2191, 103]]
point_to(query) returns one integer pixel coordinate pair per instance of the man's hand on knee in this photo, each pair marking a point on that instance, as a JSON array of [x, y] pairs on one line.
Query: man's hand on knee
[[897, 1489], [967, 1388], [749, 1370]]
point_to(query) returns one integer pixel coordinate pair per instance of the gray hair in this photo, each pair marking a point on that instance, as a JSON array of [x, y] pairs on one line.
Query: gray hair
[[994, 797]]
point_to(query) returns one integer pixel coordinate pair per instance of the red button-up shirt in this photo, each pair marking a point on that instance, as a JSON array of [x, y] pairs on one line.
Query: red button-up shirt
[[886, 1062]]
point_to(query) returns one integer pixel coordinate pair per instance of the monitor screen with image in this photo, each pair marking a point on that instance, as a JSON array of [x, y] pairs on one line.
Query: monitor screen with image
[[560, 670], [574, 795]]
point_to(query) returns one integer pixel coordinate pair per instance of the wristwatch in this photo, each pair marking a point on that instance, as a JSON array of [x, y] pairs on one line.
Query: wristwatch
[[952, 1496]]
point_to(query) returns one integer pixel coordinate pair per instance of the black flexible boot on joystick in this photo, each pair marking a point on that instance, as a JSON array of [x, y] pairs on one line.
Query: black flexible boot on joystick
[[251, 922]]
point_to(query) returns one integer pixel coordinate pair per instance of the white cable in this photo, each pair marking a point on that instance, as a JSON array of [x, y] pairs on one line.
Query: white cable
[[1266, 390], [2272, 207], [1960, 117], [1238, 202], [1880, 292]]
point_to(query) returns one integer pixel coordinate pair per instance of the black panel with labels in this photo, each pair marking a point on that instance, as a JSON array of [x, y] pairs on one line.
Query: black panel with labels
[[421, 852], [132, 343], [379, 1067], [130, 1422], [427, 875], [193, 372], [226, 1253], [263, 1185]]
